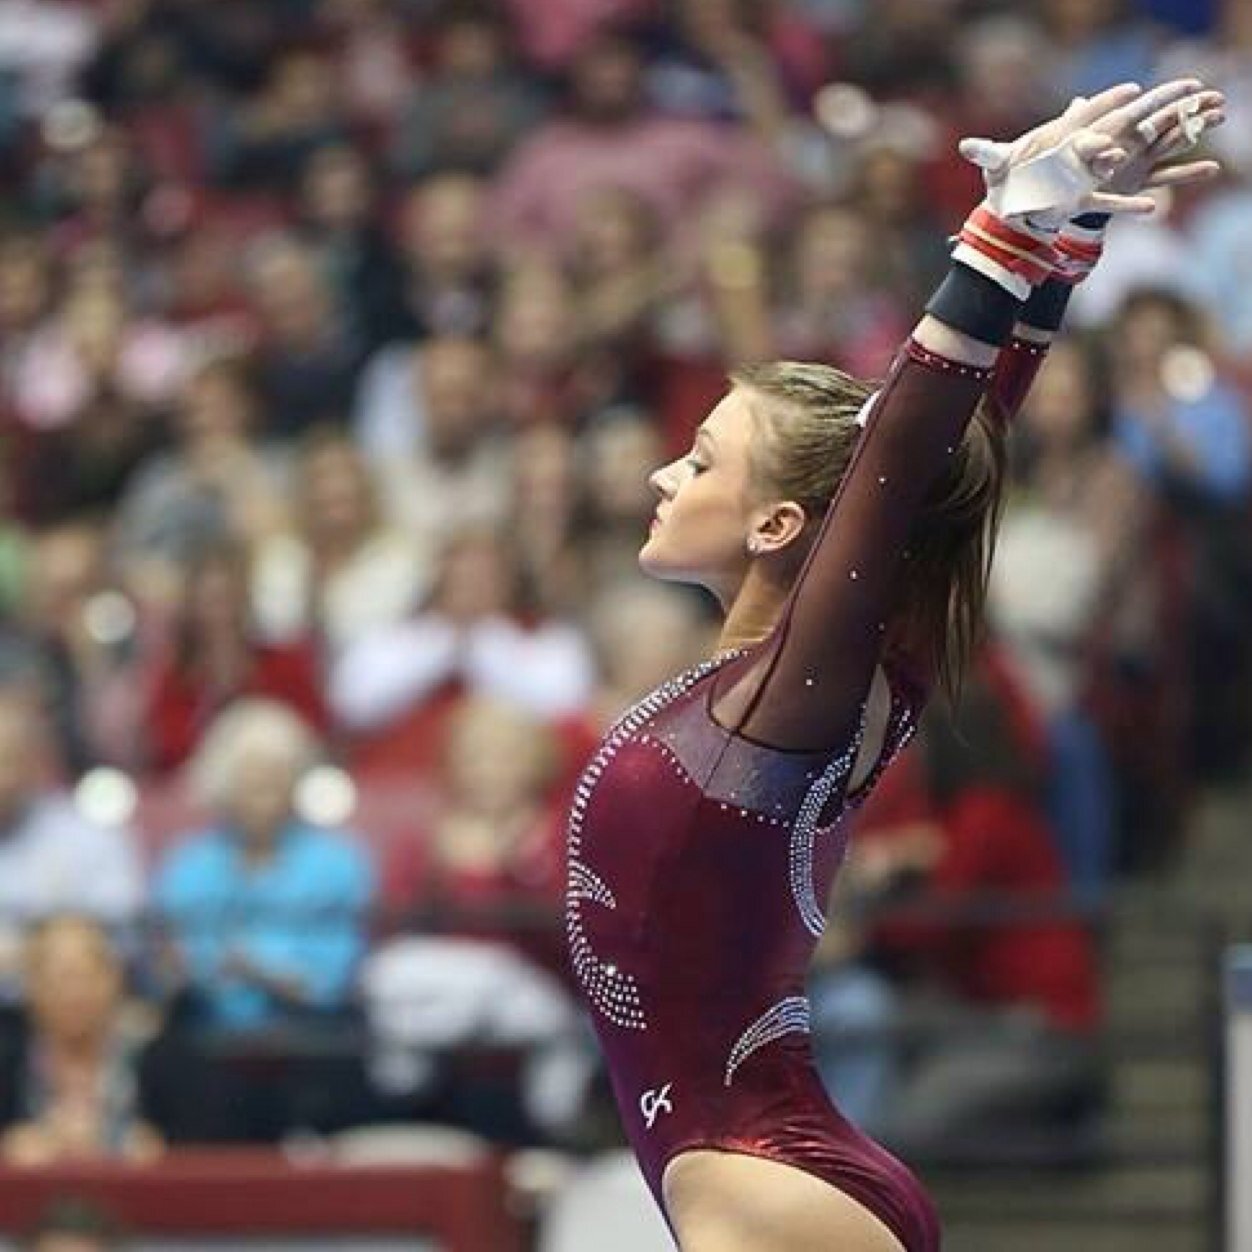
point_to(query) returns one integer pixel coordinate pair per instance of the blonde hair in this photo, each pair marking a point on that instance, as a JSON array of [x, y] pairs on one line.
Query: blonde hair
[[246, 729], [807, 434]]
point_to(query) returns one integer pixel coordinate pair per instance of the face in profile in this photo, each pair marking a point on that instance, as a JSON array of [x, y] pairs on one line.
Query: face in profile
[[706, 504]]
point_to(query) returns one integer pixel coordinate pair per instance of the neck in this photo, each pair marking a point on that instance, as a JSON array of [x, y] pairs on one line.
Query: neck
[[754, 609], [77, 1049]]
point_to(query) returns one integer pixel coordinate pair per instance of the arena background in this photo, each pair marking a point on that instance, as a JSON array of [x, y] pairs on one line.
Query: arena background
[[337, 341]]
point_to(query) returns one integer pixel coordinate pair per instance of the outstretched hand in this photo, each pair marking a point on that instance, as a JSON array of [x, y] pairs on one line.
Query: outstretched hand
[[1101, 154]]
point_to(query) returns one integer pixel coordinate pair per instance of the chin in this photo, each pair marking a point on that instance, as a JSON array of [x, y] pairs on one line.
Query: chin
[[654, 564], [657, 566]]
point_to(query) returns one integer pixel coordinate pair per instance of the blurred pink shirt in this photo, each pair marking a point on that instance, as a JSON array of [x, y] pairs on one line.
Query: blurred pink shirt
[[675, 165], [550, 32]]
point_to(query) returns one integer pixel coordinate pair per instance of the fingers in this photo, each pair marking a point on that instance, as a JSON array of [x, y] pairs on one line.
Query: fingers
[[1106, 164], [1084, 112], [1099, 153], [1185, 117], [987, 154], [1157, 105], [1107, 202], [1183, 136], [1183, 175]]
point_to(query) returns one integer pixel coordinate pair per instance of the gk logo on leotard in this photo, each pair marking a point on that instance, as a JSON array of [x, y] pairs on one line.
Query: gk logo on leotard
[[653, 1103]]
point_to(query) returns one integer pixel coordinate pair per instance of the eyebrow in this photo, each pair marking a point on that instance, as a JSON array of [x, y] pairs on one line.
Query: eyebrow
[[701, 433]]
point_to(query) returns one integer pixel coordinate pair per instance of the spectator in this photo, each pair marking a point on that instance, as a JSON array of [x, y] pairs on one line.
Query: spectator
[[340, 225], [458, 470], [1099, 42], [474, 106], [70, 1225], [212, 654], [85, 388], [889, 191], [545, 507], [1006, 1053], [489, 864], [307, 362], [486, 876], [450, 271], [835, 309], [642, 633], [83, 1077], [606, 137], [265, 913], [1077, 527], [448, 286], [621, 277], [43, 45], [548, 372], [377, 53], [619, 451], [52, 858], [266, 142], [1219, 247], [217, 484], [1181, 429], [1185, 432], [75, 641], [343, 570], [750, 61], [393, 689]]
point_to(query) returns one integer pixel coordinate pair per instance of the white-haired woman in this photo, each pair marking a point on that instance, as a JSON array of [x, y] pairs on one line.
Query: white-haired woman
[[266, 911]]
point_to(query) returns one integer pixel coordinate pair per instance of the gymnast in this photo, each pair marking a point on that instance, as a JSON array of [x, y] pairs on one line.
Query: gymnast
[[845, 531]]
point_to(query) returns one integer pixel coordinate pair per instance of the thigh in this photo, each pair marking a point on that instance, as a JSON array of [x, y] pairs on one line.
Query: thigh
[[731, 1202]]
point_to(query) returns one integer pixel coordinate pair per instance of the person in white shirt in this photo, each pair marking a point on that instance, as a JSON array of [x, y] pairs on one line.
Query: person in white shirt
[[53, 858]]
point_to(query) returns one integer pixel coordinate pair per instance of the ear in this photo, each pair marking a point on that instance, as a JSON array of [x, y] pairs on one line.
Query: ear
[[776, 526]]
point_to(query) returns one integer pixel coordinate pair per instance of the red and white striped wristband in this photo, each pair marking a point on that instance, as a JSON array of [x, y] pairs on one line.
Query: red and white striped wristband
[[1078, 250], [1016, 257]]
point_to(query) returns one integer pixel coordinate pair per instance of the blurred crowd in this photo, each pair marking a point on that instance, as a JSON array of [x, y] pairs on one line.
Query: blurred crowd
[[337, 341]]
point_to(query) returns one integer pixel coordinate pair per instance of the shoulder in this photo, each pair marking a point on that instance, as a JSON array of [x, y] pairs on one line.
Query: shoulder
[[194, 856], [55, 818]]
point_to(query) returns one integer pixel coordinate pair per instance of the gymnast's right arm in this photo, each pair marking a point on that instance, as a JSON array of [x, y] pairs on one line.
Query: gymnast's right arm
[[807, 685]]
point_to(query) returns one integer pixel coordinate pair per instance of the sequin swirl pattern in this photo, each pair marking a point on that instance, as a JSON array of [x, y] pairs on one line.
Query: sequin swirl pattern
[[784, 1018], [804, 837], [610, 990]]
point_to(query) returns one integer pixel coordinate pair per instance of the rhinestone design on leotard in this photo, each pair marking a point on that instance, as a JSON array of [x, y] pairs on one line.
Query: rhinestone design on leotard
[[784, 1018], [806, 830], [610, 990], [585, 884]]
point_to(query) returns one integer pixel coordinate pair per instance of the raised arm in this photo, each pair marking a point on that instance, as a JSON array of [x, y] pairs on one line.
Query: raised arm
[[805, 686], [1079, 244]]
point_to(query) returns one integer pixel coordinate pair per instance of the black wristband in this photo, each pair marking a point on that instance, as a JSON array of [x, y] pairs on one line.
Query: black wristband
[[971, 303], [1093, 221], [1045, 310]]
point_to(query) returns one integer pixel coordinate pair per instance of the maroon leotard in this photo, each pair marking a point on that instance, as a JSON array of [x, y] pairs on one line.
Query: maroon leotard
[[707, 830]]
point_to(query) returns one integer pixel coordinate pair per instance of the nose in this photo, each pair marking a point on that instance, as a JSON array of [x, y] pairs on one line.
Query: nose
[[662, 482]]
